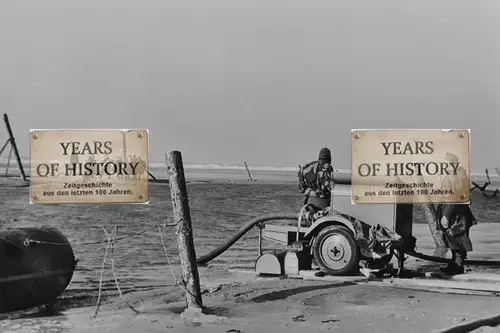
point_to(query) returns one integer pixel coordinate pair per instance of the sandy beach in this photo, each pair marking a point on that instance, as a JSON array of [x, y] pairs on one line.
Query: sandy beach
[[275, 305]]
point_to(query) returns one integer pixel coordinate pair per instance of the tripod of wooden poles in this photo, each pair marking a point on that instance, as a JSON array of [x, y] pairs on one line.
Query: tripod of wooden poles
[[11, 143]]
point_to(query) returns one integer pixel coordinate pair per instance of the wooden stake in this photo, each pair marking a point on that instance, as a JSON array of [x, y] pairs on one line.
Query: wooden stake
[[248, 171], [404, 228], [184, 231], [4, 146], [151, 175], [8, 162], [430, 215], [14, 146]]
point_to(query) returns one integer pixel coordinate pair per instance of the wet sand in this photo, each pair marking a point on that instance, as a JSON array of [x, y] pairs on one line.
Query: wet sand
[[276, 306]]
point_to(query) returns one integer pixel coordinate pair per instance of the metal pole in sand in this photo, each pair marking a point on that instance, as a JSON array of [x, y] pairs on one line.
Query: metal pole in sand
[[184, 231]]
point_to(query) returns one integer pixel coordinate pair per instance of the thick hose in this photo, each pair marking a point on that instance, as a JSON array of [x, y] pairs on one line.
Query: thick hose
[[243, 230], [294, 216], [446, 260]]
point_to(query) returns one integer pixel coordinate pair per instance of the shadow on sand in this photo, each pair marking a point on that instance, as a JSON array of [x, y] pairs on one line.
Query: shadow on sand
[[283, 294]]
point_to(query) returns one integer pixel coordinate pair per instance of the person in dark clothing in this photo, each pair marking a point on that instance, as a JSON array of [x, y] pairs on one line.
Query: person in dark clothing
[[316, 180], [456, 221]]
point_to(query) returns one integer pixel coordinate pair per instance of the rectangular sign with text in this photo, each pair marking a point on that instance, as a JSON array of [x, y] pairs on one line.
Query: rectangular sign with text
[[89, 166], [410, 166]]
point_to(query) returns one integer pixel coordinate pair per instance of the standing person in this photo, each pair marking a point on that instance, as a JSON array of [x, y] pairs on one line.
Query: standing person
[[316, 180], [90, 160], [458, 183], [456, 221]]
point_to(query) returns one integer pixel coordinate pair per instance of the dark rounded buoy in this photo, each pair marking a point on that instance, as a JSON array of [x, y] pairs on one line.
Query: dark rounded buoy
[[36, 266]]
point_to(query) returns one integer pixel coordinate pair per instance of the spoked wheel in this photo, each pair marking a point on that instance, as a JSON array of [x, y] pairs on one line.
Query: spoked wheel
[[336, 251]]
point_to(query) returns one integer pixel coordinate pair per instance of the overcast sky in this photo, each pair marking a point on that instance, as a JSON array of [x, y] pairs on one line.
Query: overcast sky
[[267, 82]]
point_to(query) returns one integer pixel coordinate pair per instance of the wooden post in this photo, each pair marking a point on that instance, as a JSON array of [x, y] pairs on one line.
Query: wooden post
[[151, 175], [404, 228], [430, 215], [14, 145], [429, 211], [184, 231], [8, 162], [4, 146], [248, 171]]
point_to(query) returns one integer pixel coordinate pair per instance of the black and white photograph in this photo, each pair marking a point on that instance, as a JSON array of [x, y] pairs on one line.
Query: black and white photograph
[[245, 166]]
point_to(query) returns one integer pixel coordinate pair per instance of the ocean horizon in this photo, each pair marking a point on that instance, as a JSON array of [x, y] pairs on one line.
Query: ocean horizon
[[159, 166]]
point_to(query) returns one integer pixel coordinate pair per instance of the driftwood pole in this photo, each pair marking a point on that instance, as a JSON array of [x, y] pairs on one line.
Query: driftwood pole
[[184, 231], [14, 146], [430, 214], [248, 170], [429, 211]]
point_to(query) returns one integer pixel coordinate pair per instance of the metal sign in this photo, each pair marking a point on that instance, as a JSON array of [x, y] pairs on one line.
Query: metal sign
[[89, 166], [410, 166]]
